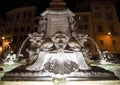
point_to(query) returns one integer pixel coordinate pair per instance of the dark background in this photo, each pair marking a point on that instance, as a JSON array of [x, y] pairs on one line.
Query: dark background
[[6, 5]]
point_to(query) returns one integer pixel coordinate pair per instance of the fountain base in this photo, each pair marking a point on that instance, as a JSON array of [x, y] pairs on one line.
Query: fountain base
[[95, 73]]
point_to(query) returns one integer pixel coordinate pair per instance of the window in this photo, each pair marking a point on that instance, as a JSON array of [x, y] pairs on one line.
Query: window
[[21, 38], [9, 31], [85, 26], [111, 28], [25, 36], [80, 27], [17, 16], [101, 42], [8, 18], [85, 18], [36, 21], [113, 42], [109, 16], [100, 28], [97, 14], [107, 7], [15, 39], [11, 18], [24, 15], [0, 43], [22, 29], [15, 29], [29, 14], [28, 28], [96, 7]]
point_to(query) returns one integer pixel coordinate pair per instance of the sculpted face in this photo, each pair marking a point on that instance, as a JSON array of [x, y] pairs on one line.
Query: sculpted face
[[60, 40]]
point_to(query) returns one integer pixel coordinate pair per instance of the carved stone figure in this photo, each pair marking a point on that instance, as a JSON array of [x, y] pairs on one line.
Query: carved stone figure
[[60, 41], [47, 45], [74, 46], [43, 25], [80, 38], [10, 58]]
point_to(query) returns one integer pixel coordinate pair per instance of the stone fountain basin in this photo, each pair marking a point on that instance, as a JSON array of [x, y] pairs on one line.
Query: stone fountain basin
[[96, 73]]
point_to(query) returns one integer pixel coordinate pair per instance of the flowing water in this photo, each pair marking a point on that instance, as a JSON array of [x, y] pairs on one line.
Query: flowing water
[[97, 48], [19, 52]]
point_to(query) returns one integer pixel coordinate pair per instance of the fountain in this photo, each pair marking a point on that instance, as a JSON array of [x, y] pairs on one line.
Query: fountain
[[55, 51]]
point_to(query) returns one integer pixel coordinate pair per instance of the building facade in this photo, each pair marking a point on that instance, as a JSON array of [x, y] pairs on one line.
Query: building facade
[[20, 22], [83, 24], [2, 29], [104, 26]]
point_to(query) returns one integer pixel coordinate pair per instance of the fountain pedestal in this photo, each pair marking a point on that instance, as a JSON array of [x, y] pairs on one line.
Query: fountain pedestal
[[56, 51]]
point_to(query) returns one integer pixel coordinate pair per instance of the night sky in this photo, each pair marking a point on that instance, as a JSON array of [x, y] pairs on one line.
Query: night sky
[[6, 5]]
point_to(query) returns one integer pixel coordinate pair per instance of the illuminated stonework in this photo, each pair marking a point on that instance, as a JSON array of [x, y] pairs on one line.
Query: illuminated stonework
[[56, 51]]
